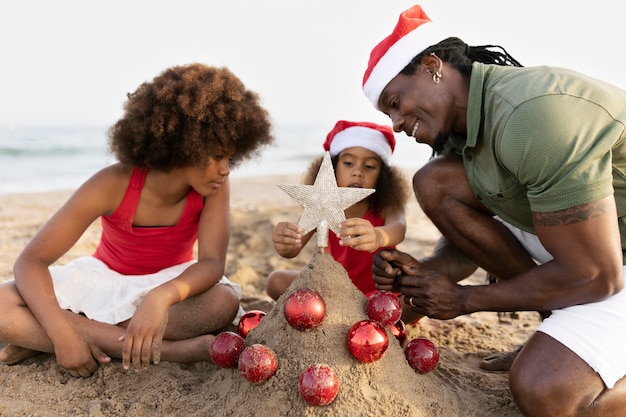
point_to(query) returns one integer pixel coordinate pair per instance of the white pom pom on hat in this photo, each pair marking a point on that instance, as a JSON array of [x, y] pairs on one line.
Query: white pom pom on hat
[[397, 50], [377, 138]]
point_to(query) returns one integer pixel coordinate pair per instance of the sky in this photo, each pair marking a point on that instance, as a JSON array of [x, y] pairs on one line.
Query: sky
[[72, 62]]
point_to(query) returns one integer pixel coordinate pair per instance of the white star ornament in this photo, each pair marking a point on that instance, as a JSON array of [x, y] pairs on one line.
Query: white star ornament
[[324, 202]]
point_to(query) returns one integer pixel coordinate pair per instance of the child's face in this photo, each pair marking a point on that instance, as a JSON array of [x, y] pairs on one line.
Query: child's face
[[357, 167], [209, 178]]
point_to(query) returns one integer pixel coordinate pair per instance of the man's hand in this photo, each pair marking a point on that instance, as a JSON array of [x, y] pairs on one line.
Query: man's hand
[[430, 293], [388, 265]]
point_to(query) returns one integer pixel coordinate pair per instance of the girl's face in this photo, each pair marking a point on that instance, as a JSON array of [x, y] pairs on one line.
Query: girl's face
[[357, 167], [209, 178]]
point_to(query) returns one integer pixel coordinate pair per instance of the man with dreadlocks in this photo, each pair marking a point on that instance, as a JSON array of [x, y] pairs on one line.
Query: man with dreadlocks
[[529, 183]]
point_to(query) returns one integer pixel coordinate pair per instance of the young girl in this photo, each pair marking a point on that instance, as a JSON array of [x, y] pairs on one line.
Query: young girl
[[142, 297], [360, 153]]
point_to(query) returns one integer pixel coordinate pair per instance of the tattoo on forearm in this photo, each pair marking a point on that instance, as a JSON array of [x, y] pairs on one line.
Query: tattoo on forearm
[[572, 215]]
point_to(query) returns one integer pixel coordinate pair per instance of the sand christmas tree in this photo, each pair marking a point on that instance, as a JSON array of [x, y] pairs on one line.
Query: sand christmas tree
[[385, 386]]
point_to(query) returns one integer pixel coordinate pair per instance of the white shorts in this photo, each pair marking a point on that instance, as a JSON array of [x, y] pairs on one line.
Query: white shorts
[[87, 285], [596, 332]]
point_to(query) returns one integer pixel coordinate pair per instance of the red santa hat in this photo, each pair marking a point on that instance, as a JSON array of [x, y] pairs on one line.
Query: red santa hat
[[377, 138], [395, 52]]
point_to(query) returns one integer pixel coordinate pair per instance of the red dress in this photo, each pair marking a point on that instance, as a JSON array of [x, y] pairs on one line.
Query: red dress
[[357, 263], [133, 250]]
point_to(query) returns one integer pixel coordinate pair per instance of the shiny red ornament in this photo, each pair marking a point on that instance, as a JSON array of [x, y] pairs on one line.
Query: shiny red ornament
[[398, 329], [318, 384], [304, 309], [226, 348], [367, 341], [384, 307], [249, 321], [422, 355], [257, 363]]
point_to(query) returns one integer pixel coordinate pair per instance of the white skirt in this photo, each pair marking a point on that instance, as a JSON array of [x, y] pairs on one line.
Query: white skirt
[[87, 285], [596, 332]]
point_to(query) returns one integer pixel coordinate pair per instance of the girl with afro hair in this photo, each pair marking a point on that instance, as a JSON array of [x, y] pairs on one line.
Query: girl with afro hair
[[142, 296]]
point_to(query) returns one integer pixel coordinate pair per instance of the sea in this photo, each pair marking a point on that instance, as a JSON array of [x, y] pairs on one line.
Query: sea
[[40, 159]]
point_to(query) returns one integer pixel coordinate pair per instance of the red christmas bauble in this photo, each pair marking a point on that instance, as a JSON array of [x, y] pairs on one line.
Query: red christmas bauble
[[226, 348], [422, 355], [257, 363], [249, 321], [398, 329], [384, 307], [318, 384], [304, 309], [367, 341]]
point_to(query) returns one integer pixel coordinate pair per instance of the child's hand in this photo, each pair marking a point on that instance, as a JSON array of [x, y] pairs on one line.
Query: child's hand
[[77, 354], [144, 335], [287, 238], [359, 234]]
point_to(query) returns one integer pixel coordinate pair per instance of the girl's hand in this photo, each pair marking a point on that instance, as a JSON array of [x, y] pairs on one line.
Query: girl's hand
[[77, 354], [359, 234], [144, 334], [287, 238]]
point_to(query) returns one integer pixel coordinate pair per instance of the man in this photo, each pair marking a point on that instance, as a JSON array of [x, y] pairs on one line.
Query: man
[[530, 185]]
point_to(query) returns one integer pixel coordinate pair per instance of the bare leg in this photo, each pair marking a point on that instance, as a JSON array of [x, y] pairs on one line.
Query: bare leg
[[545, 376], [181, 351], [18, 328], [12, 355], [205, 313], [106, 336], [277, 282], [187, 336], [443, 192], [501, 361]]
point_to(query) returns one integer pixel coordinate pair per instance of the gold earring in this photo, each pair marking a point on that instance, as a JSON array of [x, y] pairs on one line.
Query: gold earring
[[437, 75]]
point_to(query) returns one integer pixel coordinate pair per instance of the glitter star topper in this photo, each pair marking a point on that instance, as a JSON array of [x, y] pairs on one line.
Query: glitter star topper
[[324, 202]]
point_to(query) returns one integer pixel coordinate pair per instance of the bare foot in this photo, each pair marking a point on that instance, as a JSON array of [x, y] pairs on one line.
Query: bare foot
[[12, 355], [501, 361], [187, 350]]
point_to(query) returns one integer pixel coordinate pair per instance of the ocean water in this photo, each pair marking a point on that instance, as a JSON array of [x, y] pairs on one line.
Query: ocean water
[[35, 159]]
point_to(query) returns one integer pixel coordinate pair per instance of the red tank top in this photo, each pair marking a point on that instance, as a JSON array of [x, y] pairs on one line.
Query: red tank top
[[357, 263], [133, 250]]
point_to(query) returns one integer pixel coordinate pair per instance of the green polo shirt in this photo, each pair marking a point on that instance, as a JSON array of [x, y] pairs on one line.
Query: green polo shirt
[[543, 139]]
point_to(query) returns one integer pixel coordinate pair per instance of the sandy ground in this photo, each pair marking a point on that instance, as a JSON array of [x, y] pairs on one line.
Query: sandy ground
[[458, 387]]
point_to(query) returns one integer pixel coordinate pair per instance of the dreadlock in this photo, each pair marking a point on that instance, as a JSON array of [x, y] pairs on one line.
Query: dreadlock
[[484, 55], [461, 56]]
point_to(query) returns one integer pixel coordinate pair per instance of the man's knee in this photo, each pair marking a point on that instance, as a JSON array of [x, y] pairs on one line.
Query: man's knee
[[542, 395], [440, 180], [531, 396]]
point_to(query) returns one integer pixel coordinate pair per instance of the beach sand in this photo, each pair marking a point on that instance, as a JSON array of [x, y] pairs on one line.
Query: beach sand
[[458, 387]]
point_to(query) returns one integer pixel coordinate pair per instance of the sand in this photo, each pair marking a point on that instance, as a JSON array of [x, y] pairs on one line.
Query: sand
[[458, 387]]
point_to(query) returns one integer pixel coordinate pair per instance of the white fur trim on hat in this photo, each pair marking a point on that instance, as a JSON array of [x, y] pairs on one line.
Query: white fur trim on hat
[[397, 57], [363, 137]]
